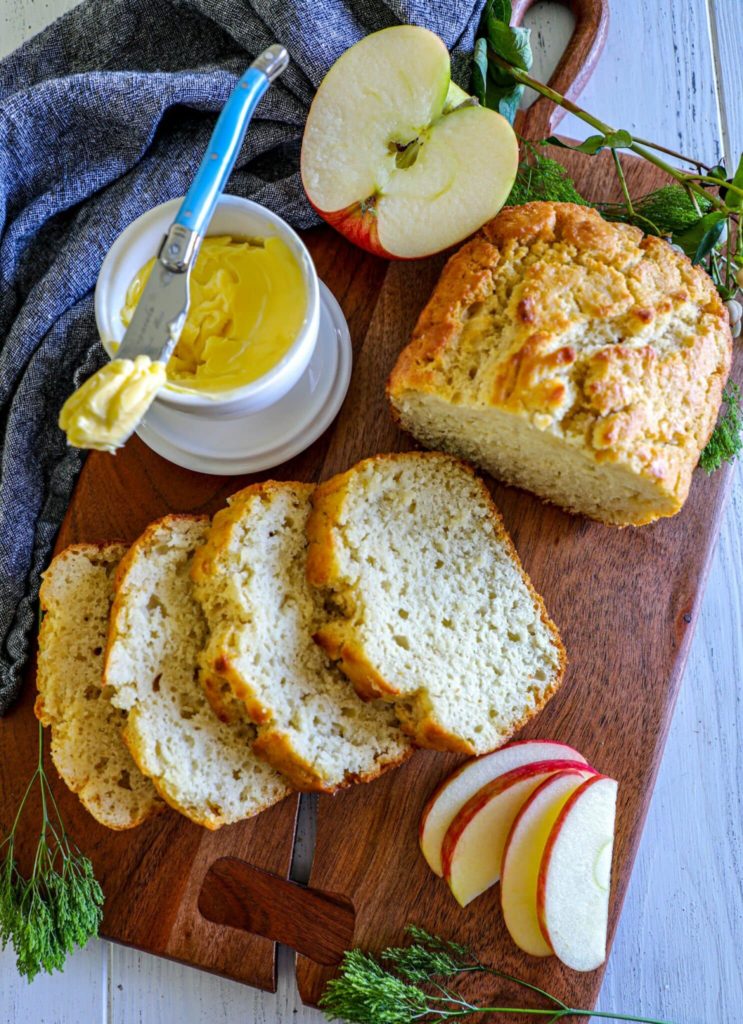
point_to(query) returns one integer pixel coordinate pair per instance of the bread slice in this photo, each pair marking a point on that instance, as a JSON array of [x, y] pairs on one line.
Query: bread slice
[[204, 768], [86, 745], [429, 606], [573, 357], [251, 581]]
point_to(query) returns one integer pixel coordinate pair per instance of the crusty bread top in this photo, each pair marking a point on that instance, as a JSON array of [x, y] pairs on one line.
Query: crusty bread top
[[428, 605], [204, 768], [86, 743], [607, 338], [262, 614]]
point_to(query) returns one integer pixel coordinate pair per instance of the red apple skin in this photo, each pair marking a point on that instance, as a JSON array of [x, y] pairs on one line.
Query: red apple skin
[[458, 771], [492, 789], [357, 226], [544, 865]]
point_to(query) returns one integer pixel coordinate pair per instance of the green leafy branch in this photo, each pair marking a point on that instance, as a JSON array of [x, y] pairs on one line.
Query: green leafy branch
[[711, 201], [58, 908], [699, 213], [411, 984]]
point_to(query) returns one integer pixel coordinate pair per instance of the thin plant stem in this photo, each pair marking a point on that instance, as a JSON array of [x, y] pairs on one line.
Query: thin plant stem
[[672, 152], [622, 181], [562, 101]]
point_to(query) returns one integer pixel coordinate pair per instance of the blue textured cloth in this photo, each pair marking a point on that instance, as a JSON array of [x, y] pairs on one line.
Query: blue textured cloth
[[102, 116]]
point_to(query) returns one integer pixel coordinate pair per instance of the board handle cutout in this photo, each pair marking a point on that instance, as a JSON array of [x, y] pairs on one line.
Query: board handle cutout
[[574, 68], [317, 924]]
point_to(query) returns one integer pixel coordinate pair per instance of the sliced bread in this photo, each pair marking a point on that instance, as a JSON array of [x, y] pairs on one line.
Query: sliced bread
[[86, 745], [204, 768], [428, 604], [250, 578]]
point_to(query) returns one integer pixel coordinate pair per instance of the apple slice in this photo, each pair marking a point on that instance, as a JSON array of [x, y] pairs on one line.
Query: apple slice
[[522, 858], [461, 786], [472, 850], [575, 875], [394, 158]]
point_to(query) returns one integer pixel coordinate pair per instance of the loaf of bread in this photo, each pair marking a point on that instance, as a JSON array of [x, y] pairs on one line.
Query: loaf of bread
[[575, 358], [428, 604], [204, 768], [250, 579], [86, 745]]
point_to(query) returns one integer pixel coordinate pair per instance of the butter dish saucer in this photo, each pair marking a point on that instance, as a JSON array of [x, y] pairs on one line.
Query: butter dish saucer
[[266, 438]]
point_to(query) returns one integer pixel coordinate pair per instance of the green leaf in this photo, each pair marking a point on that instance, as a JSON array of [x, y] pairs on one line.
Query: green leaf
[[505, 99], [499, 9], [734, 199], [480, 69], [512, 44], [701, 238], [595, 143]]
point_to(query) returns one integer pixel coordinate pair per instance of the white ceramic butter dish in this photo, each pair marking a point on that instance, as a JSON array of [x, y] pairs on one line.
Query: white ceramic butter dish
[[263, 423]]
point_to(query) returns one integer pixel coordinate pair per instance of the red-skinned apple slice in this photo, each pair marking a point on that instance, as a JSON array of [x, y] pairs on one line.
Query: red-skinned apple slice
[[575, 876], [391, 158], [472, 850], [522, 858], [454, 792]]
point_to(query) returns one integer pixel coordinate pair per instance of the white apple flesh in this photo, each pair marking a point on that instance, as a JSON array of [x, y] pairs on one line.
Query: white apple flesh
[[575, 876], [391, 157], [522, 858], [473, 846], [455, 791]]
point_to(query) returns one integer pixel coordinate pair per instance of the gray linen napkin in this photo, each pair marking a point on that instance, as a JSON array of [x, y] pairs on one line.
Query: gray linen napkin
[[103, 115]]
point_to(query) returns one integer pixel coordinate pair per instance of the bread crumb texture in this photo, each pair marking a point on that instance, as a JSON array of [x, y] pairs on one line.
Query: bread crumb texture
[[250, 579], [204, 768], [576, 358], [427, 605], [87, 748]]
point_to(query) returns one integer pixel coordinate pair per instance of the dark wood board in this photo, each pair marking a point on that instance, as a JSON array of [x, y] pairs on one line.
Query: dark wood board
[[626, 603], [152, 875]]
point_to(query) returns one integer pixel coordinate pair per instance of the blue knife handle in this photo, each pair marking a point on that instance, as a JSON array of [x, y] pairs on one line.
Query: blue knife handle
[[197, 208]]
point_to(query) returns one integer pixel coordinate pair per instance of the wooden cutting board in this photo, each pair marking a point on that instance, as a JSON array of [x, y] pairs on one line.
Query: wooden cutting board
[[625, 601]]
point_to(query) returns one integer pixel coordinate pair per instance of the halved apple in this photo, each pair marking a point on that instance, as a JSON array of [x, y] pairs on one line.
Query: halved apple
[[522, 858], [472, 850], [456, 790], [575, 875], [394, 158]]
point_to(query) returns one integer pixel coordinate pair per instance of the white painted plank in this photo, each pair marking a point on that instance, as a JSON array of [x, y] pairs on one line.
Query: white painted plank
[[726, 24], [21, 19], [148, 990], [655, 77], [77, 996]]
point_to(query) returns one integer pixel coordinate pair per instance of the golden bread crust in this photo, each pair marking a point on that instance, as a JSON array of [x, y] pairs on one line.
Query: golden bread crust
[[607, 339], [272, 744]]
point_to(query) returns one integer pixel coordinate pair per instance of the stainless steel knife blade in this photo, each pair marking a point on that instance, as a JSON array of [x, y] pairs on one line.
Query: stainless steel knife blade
[[159, 316]]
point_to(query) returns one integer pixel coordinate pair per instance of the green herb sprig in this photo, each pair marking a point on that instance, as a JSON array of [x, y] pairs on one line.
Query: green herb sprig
[[700, 212], [412, 985], [726, 441], [59, 907]]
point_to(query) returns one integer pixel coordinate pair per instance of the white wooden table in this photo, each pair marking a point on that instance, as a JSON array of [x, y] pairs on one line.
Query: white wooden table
[[671, 71]]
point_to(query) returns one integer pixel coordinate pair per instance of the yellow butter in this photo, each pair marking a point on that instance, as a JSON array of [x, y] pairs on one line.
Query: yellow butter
[[247, 304], [105, 410]]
